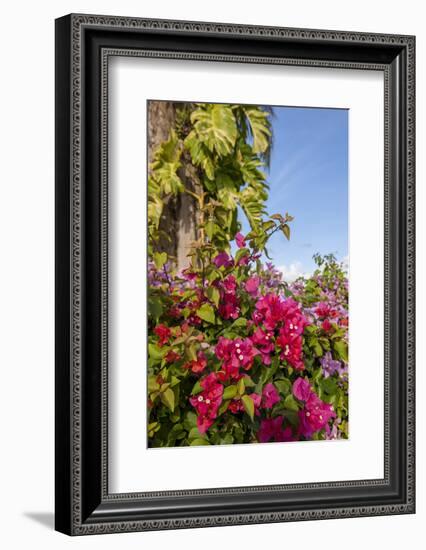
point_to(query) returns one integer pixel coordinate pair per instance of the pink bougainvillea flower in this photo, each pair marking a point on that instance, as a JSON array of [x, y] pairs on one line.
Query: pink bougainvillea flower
[[223, 259], [235, 354], [244, 260], [252, 285], [326, 326], [301, 389], [229, 283], [207, 402], [229, 307], [271, 430], [264, 343], [314, 416], [291, 349], [189, 275], [240, 240], [163, 333], [294, 320], [270, 396], [198, 365], [270, 310], [325, 310]]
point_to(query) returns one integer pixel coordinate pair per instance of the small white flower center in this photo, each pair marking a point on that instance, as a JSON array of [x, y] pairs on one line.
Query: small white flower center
[[208, 401], [241, 357], [308, 414], [200, 398]]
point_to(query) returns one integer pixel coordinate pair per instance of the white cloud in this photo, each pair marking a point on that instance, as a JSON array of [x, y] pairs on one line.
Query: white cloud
[[345, 262], [293, 271]]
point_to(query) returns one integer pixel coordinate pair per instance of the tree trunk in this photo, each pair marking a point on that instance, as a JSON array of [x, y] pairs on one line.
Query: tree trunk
[[178, 224]]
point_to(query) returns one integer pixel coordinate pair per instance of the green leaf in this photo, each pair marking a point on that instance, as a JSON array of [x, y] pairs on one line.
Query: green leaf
[[329, 386], [223, 407], [241, 386], [248, 405], [153, 385], [341, 349], [286, 230], [160, 258], [230, 392], [190, 420], [195, 434], [197, 388], [290, 403], [199, 441], [206, 313], [213, 294], [155, 352], [155, 307], [283, 386], [168, 398], [260, 128], [240, 322], [215, 127]]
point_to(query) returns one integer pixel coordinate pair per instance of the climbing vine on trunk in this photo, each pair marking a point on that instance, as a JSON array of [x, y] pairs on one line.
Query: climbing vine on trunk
[[207, 169]]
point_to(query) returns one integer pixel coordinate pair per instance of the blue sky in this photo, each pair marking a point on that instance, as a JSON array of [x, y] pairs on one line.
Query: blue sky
[[308, 178]]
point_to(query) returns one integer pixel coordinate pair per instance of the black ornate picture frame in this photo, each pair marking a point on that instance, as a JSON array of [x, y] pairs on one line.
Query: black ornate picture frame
[[84, 43]]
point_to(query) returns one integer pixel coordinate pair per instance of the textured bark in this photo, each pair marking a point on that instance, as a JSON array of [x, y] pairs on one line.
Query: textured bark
[[179, 219]]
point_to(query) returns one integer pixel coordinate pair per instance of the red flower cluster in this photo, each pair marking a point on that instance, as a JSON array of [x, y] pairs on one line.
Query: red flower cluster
[[235, 354], [197, 365], [207, 402], [163, 333], [229, 306], [285, 315]]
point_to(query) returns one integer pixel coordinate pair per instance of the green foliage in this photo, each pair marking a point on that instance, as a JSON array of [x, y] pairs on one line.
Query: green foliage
[[226, 145]]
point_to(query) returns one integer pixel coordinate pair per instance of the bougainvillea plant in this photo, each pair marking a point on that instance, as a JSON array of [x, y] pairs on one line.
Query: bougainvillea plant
[[236, 354]]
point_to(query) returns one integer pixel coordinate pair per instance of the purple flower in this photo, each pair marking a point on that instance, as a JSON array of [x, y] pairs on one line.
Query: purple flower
[[330, 366]]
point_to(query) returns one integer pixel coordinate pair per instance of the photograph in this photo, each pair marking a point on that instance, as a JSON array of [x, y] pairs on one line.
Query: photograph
[[248, 274]]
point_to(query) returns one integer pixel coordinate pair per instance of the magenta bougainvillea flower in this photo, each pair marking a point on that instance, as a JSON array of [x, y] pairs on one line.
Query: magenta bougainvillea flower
[[223, 259], [291, 347], [252, 285], [301, 389], [235, 354], [314, 416], [240, 240], [207, 402], [316, 413], [270, 396], [271, 430], [264, 342]]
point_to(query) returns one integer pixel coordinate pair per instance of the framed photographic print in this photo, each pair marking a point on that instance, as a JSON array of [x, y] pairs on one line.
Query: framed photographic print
[[234, 274]]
